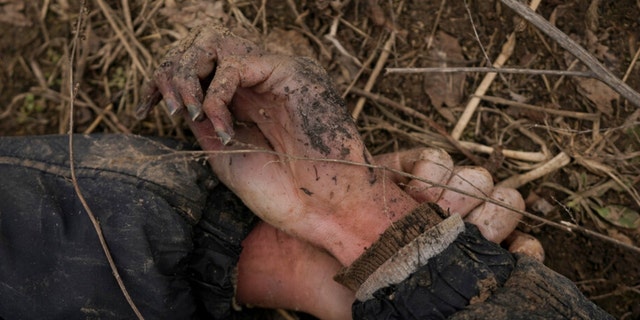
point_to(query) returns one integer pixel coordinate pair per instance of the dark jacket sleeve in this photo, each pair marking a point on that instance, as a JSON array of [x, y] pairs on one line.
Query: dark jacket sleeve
[[474, 278], [149, 202]]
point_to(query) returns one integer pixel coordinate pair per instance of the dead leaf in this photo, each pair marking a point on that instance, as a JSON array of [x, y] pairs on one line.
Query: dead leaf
[[600, 51], [11, 12], [445, 88], [599, 93]]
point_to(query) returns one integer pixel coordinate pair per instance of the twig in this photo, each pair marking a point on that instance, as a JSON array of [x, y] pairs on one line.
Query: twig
[[409, 111], [564, 113], [559, 161], [382, 60], [471, 107], [489, 69], [74, 179], [601, 72], [475, 33], [563, 225], [436, 23], [136, 60], [507, 50], [464, 147], [285, 314], [632, 65], [305, 29], [508, 153], [331, 36]]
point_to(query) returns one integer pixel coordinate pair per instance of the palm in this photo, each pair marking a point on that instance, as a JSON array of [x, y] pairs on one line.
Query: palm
[[287, 106]]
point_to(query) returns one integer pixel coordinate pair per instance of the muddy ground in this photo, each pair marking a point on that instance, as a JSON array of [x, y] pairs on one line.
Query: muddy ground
[[598, 130]]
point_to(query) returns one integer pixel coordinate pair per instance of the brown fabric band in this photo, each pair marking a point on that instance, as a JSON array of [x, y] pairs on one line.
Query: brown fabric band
[[399, 234]]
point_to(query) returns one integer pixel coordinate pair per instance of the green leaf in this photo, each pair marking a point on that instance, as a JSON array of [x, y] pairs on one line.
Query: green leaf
[[620, 216]]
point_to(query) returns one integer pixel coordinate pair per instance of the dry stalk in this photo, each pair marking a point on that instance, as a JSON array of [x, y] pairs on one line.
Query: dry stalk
[[306, 31], [126, 40], [72, 93], [489, 69], [505, 54], [411, 112], [508, 153], [559, 161], [544, 150], [436, 23], [331, 36], [285, 314], [632, 65], [431, 139], [600, 71], [356, 77], [563, 113], [600, 168], [472, 105], [382, 60]]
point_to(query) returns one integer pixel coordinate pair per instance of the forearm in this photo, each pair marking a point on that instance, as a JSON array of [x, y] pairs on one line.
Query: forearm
[[278, 271], [470, 278]]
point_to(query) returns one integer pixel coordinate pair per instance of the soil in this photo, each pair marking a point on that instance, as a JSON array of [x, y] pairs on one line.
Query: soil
[[599, 130]]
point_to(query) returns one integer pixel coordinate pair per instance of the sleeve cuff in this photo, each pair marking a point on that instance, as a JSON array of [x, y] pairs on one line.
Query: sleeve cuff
[[402, 249]]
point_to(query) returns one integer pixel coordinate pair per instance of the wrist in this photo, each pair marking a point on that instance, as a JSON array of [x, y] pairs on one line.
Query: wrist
[[466, 272], [348, 231], [405, 237]]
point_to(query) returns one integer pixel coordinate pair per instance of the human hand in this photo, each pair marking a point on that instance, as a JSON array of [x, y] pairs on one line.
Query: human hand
[[461, 190], [279, 271], [292, 138]]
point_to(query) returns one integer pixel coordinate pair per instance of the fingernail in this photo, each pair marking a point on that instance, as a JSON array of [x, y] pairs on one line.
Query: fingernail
[[195, 112], [142, 111], [172, 106], [224, 137]]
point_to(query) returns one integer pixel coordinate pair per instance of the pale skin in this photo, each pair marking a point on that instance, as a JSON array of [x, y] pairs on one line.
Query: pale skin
[[322, 202]]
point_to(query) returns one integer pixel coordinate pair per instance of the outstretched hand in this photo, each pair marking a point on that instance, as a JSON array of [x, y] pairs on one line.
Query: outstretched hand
[[287, 107]]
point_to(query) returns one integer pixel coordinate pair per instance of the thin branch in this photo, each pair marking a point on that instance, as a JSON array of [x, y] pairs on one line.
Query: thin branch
[[382, 60], [106, 10], [505, 54], [72, 94], [564, 113], [601, 72], [490, 69], [559, 161], [562, 225], [409, 111]]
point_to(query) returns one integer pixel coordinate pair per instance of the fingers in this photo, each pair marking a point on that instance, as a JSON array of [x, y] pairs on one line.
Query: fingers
[[468, 186], [178, 78], [436, 166], [163, 84], [520, 242], [204, 132], [232, 74], [496, 222], [429, 164]]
